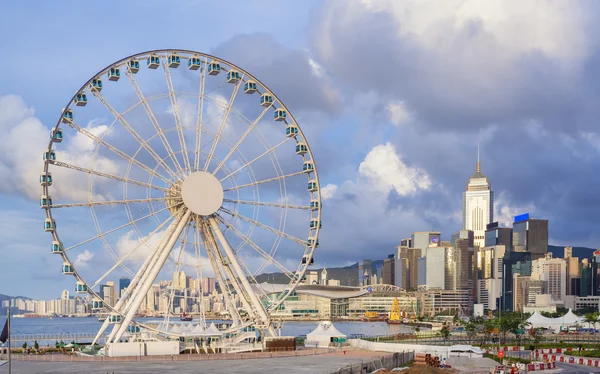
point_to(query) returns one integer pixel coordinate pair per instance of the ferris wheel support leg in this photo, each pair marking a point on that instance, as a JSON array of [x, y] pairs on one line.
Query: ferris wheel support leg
[[235, 316], [217, 255], [153, 273], [128, 292], [242, 277], [125, 300]]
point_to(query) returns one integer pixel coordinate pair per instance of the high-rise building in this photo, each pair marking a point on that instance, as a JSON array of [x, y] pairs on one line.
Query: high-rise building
[[490, 278], [573, 272], [209, 285], [422, 272], [388, 270], [364, 272], [406, 242], [553, 272], [324, 276], [407, 272], [495, 235], [179, 280], [435, 274], [478, 205], [109, 293], [124, 282], [530, 235], [423, 239]]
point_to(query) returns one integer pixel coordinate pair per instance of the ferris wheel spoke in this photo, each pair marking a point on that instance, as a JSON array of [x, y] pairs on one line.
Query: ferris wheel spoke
[[199, 123], [182, 245], [106, 175], [263, 226], [236, 146], [280, 177], [153, 120], [122, 260], [258, 249], [178, 125], [117, 151], [134, 133], [114, 202], [255, 159], [116, 229], [278, 205], [236, 88]]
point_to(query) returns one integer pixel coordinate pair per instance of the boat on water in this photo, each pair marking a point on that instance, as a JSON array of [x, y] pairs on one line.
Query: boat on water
[[373, 317], [101, 319], [186, 318]]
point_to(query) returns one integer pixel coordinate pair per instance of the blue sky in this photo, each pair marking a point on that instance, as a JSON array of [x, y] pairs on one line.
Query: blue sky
[[393, 96]]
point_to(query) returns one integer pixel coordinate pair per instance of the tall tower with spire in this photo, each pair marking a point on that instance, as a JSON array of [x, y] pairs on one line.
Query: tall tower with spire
[[478, 204]]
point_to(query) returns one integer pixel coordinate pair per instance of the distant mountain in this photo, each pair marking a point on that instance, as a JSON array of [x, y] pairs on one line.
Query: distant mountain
[[581, 252], [3, 311]]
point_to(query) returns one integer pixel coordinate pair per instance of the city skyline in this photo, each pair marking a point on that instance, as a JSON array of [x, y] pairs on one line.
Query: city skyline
[[378, 179]]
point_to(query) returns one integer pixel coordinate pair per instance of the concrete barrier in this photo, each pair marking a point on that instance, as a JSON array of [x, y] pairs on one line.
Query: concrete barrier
[[437, 350]]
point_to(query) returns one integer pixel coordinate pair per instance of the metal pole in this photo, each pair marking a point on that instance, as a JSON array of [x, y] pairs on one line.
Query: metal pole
[[9, 360]]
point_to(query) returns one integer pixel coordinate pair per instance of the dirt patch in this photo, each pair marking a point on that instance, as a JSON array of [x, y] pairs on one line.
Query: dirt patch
[[419, 369]]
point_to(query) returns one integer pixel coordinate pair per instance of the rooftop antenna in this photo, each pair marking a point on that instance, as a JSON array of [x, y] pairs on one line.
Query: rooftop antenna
[[478, 167]]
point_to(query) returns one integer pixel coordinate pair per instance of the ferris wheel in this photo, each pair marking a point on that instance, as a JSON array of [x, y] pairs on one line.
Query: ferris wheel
[[155, 168]]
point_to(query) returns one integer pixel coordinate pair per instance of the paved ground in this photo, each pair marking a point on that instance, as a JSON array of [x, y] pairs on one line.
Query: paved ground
[[575, 369], [321, 364], [472, 365]]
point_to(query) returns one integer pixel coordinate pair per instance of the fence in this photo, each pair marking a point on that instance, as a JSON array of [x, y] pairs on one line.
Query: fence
[[384, 362]]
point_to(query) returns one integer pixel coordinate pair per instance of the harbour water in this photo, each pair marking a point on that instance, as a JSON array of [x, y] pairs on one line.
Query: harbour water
[[28, 326]]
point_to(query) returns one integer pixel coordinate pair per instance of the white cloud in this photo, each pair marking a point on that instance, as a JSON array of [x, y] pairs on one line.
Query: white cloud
[[505, 211], [26, 138], [328, 191], [83, 258], [384, 169], [398, 113]]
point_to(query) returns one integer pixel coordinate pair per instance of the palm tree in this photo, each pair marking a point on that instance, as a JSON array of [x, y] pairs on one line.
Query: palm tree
[[591, 319]]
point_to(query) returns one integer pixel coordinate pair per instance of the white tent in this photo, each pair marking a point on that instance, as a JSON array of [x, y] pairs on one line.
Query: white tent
[[176, 329], [324, 335], [212, 330], [568, 320]]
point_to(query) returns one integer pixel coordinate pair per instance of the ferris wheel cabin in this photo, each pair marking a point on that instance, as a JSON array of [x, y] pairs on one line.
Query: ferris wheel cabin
[[291, 130], [315, 222], [50, 155], [194, 63], [46, 179], [173, 60], [67, 115], [56, 135], [114, 74], [266, 100], [114, 318], [314, 204], [312, 185], [311, 240], [57, 247], [97, 304], [81, 99], [45, 202], [308, 167], [214, 68], [67, 269], [49, 225], [96, 84], [250, 87], [301, 148], [280, 114], [81, 287], [133, 65], [133, 329], [233, 76], [310, 260], [153, 61]]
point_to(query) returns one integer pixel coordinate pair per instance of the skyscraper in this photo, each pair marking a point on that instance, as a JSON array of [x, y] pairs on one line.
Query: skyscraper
[[424, 239], [364, 272], [478, 205], [530, 235], [124, 282]]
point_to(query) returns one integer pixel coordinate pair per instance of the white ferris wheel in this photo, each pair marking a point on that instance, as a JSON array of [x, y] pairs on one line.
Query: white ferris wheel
[[186, 163]]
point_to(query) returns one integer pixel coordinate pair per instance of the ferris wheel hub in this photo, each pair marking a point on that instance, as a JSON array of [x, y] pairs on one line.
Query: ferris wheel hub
[[202, 193]]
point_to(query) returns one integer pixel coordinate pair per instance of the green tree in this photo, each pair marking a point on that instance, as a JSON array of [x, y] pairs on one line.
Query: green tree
[[36, 346], [471, 329], [25, 345], [445, 332]]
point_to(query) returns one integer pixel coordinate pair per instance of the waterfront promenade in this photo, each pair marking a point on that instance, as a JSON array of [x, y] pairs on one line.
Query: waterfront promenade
[[323, 362]]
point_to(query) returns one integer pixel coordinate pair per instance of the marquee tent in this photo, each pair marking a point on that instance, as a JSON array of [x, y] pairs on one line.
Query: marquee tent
[[324, 335]]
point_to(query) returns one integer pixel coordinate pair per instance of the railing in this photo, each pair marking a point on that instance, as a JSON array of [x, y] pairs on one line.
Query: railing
[[66, 337]]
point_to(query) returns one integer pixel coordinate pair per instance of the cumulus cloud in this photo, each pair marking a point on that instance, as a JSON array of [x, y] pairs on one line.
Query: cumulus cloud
[[398, 113], [83, 258], [26, 138], [384, 169], [328, 191]]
